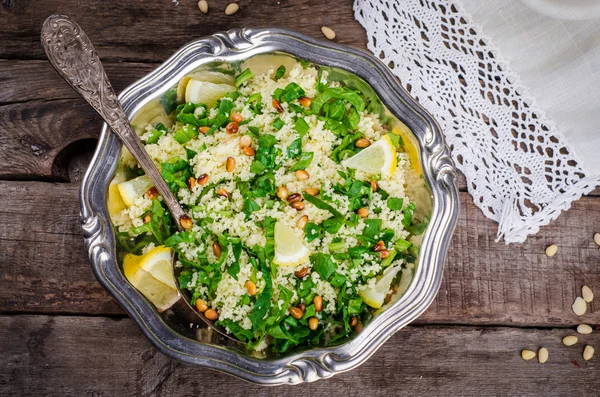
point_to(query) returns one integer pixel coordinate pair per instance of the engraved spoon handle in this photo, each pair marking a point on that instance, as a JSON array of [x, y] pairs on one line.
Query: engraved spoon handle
[[73, 56]]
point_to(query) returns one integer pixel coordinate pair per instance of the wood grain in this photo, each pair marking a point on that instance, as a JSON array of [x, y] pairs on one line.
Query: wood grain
[[127, 30], [90, 356], [45, 270]]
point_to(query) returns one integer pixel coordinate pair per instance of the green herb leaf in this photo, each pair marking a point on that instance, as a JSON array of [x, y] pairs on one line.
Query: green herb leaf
[[179, 237], [278, 123], [295, 148], [417, 229], [395, 204], [323, 265], [322, 205], [305, 160], [301, 126], [408, 213], [333, 225], [257, 167], [280, 72], [338, 280], [263, 301], [372, 229], [312, 231], [243, 77], [169, 100]]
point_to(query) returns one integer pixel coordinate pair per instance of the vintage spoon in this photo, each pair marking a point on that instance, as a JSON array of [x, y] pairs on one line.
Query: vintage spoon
[[73, 56]]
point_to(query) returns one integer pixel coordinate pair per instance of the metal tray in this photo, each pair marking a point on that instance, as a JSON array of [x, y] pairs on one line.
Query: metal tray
[[172, 335]]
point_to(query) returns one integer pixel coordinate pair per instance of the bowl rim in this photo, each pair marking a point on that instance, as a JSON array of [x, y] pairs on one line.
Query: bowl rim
[[309, 365]]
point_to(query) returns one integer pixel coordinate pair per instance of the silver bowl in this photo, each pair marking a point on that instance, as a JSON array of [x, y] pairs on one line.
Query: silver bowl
[[172, 335]]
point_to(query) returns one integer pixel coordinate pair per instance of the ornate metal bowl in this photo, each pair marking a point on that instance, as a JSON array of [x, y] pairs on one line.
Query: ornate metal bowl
[[185, 342]]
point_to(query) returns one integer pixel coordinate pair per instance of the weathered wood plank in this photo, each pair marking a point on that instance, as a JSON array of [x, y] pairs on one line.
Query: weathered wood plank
[[43, 268], [153, 30], [42, 118], [34, 80], [94, 356]]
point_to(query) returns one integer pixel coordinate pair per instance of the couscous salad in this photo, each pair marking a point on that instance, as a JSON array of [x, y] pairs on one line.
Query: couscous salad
[[295, 183]]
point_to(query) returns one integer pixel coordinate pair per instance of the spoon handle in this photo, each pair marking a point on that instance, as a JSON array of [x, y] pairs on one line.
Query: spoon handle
[[73, 56]]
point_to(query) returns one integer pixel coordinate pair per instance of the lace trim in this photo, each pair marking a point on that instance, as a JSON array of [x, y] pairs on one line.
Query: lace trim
[[520, 170]]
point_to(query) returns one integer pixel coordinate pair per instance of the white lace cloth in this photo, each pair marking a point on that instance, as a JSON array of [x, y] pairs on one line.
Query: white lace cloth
[[520, 169]]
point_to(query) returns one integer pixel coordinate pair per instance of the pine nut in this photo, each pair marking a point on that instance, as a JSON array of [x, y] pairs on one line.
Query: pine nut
[[587, 294], [313, 191], [231, 9], [296, 313], [304, 101], [147, 218], [236, 117], [230, 164], [251, 287], [543, 355], [217, 249], [328, 32], [232, 128], [223, 193], [527, 354], [302, 175], [203, 130], [313, 323], [245, 141], [579, 306], [201, 305], [298, 205], [294, 197], [191, 183], [379, 246], [588, 353], [277, 105], [151, 193], [584, 329], [374, 185], [363, 212], [203, 6], [211, 314], [186, 222], [353, 321], [569, 340], [597, 239], [249, 151], [282, 192], [384, 253], [302, 272], [301, 223], [202, 179], [362, 143], [318, 302], [551, 250], [358, 328]]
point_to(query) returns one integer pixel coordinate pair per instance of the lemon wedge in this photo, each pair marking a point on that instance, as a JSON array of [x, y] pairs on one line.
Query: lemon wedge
[[114, 202], [206, 92], [151, 274], [410, 145], [379, 158], [289, 249], [375, 296], [205, 75], [134, 189]]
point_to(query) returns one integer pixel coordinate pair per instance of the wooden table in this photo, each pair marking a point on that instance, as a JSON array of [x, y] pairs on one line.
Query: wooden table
[[61, 334]]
